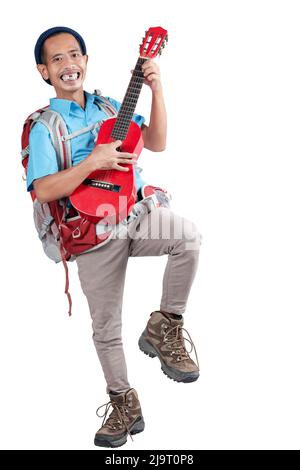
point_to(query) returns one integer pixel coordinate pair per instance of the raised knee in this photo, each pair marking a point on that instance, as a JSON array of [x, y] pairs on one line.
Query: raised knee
[[188, 240], [192, 238]]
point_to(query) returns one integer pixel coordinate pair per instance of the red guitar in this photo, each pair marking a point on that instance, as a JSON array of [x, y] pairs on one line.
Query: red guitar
[[111, 194]]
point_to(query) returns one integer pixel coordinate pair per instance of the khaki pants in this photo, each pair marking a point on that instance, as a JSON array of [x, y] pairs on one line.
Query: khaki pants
[[102, 275]]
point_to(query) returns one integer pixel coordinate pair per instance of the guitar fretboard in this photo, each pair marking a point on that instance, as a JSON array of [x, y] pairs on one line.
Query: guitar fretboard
[[128, 106]]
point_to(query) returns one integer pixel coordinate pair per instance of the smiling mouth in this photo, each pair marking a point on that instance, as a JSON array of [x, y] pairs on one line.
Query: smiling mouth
[[70, 77]]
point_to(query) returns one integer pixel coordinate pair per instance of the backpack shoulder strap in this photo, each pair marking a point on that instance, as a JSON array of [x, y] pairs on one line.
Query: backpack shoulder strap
[[29, 122], [104, 104], [57, 129]]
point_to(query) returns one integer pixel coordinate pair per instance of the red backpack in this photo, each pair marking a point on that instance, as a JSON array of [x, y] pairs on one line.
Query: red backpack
[[63, 232]]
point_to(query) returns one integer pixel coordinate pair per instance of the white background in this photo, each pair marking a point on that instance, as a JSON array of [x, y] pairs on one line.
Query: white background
[[231, 79]]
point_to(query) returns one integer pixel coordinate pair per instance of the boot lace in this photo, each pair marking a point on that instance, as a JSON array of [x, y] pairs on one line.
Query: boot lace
[[174, 338], [117, 416]]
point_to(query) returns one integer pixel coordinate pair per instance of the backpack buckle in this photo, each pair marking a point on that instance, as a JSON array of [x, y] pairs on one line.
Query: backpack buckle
[[76, 233]]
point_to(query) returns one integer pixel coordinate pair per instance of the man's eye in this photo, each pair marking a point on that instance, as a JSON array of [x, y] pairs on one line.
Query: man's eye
[[76, 54], [57, 59]]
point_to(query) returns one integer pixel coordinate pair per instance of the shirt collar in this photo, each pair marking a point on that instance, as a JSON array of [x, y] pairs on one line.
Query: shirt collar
[[63, 106]]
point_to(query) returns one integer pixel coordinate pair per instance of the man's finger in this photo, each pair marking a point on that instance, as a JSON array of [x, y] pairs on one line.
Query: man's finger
[[121, 168], [117, 143], [127, 155], [132, 162]]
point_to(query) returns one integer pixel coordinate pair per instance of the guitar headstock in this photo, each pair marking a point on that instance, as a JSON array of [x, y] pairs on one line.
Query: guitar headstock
[[153, 43]]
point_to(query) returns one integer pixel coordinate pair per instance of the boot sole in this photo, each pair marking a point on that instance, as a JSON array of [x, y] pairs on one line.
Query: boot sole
[[105, 441], [172, 374]]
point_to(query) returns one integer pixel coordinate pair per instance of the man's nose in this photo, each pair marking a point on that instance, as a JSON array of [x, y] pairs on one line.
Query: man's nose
[[68, 62]]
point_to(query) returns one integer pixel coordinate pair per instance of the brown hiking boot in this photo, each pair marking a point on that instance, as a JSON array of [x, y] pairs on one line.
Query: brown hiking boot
[[125, 418], [163, 338]]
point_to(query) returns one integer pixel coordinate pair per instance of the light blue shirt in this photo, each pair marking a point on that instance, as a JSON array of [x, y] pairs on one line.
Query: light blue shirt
[[42, 156]]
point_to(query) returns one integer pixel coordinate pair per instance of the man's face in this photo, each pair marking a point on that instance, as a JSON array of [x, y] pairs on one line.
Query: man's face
[[64, 63]]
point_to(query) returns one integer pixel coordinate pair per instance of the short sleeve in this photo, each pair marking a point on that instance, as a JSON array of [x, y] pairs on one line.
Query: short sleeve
[[138, 118], [42, 156]]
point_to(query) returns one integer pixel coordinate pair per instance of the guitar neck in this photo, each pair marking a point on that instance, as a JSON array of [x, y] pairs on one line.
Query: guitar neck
[[128, 106]]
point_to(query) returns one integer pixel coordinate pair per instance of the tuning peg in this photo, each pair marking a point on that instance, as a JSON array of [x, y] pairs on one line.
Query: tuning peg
[[167, 38]]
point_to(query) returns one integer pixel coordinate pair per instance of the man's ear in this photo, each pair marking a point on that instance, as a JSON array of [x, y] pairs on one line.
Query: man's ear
[[42, 68], [87, 58]]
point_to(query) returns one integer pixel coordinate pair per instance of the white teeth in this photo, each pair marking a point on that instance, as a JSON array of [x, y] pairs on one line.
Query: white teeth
[[72, 76]]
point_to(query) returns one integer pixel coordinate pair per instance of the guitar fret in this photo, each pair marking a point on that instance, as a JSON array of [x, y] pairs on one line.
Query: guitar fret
[[137, 82], [137, 78], [126, 108], [122, 130], [124, 116], [136, 94], [130, 102], [123, 124], [127, 120], [133, 92], [125, 113], [132, 89], [123, 127]]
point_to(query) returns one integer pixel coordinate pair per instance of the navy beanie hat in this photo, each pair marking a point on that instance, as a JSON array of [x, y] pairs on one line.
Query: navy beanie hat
[[50, 32]]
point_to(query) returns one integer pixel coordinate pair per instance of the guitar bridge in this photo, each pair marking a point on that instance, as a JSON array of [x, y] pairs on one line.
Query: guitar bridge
[[102, 185]]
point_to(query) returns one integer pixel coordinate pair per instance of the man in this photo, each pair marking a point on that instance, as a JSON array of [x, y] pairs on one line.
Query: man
[[61, 59]]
